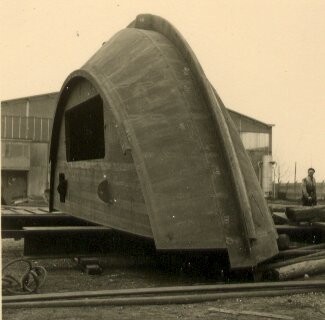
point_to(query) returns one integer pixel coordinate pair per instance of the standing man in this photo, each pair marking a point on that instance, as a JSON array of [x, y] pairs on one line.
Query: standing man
[[309, 197]]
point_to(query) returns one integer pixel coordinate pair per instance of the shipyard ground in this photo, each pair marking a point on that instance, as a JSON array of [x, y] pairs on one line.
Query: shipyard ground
[[120, 272]]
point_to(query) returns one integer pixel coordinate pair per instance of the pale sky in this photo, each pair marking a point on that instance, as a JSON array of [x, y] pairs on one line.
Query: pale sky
[[265, 58]]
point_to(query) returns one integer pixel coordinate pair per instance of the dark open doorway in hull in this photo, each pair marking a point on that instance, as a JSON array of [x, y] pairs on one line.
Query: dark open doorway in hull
[[84, 125]]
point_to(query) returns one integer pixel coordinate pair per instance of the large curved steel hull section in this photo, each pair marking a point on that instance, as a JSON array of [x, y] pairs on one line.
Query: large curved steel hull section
[[197, 181]]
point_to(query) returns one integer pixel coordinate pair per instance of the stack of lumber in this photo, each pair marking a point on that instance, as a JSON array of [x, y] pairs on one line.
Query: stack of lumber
[[300, 260], [296, 263]]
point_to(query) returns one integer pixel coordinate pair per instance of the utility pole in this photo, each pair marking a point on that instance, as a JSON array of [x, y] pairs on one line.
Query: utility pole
[[295, 180]]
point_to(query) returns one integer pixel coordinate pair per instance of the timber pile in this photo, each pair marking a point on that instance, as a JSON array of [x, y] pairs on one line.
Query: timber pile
[[310, 261], [298, 260]]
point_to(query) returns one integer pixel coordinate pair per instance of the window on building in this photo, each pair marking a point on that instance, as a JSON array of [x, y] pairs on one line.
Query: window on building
[[84, 131], [255, 140]]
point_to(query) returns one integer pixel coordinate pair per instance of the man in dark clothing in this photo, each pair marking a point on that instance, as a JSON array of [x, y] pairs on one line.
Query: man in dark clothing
[[309, 197]]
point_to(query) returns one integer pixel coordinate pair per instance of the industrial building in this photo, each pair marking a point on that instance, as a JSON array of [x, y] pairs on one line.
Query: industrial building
[[26, 125], [257, 139]]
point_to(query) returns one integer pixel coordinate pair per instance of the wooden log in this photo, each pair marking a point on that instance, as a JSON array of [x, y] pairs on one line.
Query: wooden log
[[314, 246], [298, 214], [295, 229], [270, 266], [300, 269], [283, 241], [319, 225], [296, 252]]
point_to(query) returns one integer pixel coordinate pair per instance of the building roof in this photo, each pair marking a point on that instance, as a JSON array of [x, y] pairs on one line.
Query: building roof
[[34, 97], [250, 118]]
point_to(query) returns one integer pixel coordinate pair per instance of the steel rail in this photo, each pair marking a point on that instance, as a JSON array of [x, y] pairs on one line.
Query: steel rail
[[156, 299], [278, 286]]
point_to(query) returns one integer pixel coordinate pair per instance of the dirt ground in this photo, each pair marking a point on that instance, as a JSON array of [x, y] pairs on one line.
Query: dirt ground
[[298, 306], [121, 272]]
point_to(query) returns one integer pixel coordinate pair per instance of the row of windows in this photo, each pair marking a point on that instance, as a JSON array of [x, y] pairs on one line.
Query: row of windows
[[254, 140]]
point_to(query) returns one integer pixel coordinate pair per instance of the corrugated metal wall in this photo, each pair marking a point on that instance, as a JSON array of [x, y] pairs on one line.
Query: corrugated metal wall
[[26, 126], [15, 155], [256, 137]]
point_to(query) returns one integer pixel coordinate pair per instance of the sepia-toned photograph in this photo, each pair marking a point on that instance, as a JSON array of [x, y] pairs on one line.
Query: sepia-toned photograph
[[162, 159]]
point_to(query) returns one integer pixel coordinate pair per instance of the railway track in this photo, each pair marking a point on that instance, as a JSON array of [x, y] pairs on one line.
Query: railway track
[[30, 223], [162, 295]]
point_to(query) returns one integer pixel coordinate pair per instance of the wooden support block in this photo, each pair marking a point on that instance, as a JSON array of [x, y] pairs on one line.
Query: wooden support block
[[88, 260], [65, 241], [298, 214], [12, 225], [90, 265], [279, 218], [93, 269]]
